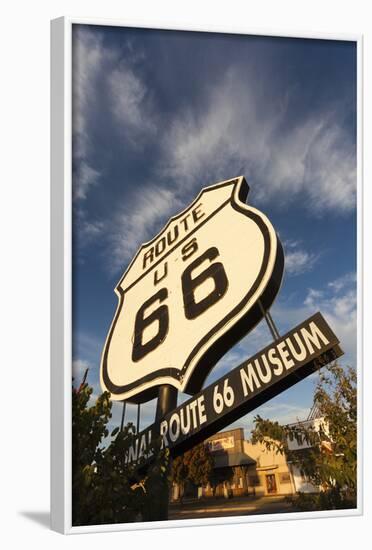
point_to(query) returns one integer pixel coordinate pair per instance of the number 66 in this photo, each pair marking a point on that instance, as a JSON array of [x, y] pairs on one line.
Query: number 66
[[192, 308]]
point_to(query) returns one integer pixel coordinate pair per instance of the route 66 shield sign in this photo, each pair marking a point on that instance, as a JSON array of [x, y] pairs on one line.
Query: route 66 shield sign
[[190, 294]]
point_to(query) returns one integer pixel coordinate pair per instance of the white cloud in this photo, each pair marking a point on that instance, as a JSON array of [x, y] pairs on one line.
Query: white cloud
[[341, 312], [87, 348], [130, 104], [126, 96], [337, 301], [330, 177], [79, 366], [88, 59], [214, 142], [346, 280], [88, 56], [138, 221], [84, 177], [298, 260], [232, 129], [240, 131], [87, 231], [100, 69], [92, 229]]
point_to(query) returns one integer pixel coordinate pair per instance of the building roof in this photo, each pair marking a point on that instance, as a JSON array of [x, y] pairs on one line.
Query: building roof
[[221, 460]]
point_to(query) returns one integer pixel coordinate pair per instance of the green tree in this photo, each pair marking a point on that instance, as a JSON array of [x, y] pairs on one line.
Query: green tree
[[179, 473], [220, 476], [330, 461], [104, 488], [195, 465]]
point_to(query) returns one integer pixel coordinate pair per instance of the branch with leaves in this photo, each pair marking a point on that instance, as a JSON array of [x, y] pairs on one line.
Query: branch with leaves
[[329, 457], [105, 489], [195, 465]]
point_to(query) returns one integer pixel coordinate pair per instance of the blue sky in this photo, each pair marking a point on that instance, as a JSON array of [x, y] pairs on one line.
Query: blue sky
[[157, 115]]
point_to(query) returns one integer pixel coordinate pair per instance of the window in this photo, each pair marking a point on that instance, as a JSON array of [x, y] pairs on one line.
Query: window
[[271, 484]]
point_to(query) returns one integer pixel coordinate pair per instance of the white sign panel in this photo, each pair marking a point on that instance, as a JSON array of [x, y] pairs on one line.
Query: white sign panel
[[190, 294], [221, 444]]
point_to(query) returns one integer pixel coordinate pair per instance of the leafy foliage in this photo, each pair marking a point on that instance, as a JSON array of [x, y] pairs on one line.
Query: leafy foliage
[[195, 465], [220, 476], [330, 459], [104, 488]]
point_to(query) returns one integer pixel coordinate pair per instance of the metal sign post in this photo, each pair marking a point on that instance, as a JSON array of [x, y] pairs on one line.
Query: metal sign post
[[269, 321], [167, 402], [123, 416], [138, 417]]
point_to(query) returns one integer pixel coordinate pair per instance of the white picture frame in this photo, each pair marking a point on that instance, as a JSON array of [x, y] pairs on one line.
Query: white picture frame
[[61, 285]]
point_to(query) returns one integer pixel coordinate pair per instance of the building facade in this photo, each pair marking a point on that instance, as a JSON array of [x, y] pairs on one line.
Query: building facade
[[318, 424], [242, 469], [246, 468]]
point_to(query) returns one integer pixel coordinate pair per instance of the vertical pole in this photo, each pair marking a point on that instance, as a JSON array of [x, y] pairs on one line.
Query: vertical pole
[[123, 416], [138, 417], [275, 334], [159, 488], [167, 401], [270, 323]]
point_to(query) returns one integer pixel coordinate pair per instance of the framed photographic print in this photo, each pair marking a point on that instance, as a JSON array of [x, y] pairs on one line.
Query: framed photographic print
[[206, 293]]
